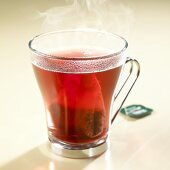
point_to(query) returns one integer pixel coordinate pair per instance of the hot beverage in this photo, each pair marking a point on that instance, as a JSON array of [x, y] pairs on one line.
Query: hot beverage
[[77, 104]]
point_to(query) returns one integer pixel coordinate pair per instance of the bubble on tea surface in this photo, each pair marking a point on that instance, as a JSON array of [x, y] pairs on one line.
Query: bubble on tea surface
[[79, 66]]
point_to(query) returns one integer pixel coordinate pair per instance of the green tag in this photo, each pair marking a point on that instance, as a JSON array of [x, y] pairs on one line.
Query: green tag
[[136, 111]]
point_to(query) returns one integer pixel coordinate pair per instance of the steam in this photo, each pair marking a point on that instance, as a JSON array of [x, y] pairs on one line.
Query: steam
[[107, 15]]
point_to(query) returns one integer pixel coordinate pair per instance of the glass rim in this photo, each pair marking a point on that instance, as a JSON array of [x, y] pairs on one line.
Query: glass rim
[[50, 56]]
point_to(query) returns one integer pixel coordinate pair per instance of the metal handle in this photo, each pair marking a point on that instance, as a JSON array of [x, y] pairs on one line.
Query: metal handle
[[132, 62]]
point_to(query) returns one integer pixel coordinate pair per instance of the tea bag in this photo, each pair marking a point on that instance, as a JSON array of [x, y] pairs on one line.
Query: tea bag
[[79, 106], [91, 116]]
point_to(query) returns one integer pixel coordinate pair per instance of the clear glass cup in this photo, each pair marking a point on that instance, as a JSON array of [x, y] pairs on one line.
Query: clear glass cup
[[77, 72]]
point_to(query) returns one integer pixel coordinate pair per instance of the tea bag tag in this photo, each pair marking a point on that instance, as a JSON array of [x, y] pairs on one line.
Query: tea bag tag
[[136, 111]]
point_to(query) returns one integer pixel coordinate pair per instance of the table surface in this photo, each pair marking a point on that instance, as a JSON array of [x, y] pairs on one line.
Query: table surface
[[135, 144]]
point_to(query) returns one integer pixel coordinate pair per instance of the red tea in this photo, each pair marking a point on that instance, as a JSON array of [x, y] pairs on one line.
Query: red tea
[[77, 104]]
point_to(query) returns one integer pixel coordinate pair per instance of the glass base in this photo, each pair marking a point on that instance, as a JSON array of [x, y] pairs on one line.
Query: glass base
[[79, 153]]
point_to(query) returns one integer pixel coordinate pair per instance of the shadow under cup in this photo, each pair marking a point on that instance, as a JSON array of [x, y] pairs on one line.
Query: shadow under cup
[[77, 73]]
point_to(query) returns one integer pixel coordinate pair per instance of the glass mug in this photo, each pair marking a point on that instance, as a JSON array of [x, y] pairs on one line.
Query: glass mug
[[77, 72]]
